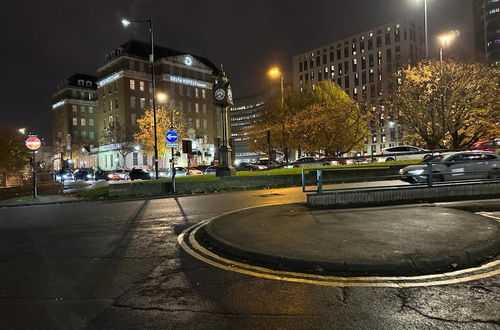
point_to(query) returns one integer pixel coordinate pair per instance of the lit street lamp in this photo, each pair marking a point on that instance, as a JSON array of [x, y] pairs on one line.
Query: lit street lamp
[[22, 130], [275, 73], [445, 40], [126, 23]]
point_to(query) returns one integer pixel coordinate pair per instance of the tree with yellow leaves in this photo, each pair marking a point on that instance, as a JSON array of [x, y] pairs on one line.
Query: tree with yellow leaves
[[166, 117], [448, 105]]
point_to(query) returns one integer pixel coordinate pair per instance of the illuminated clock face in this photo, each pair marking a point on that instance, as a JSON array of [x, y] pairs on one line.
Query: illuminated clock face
[[220, 94], [188, 60]]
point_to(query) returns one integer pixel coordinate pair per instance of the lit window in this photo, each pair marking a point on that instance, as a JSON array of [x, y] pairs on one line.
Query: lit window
[[203, 94], [196, 92], [132, 84], [196, 108], [205, 123], [82, 121], [75, 110], [141, 86], [75, 121], [143, 103], [197, 123], [91, 110]]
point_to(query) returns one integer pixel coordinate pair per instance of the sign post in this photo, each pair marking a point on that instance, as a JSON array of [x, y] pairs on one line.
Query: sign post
[[33, 143], [171, 136]]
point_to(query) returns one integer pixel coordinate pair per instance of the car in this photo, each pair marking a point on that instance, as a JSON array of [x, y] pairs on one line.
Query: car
[[465, 165], [140, 174], [101, 175], [401, 153], [305, 162], [83, 174], [211, 170], [63, 176], [265, 164], [122, 174], [492, 145], [244, 166], [333, 160]]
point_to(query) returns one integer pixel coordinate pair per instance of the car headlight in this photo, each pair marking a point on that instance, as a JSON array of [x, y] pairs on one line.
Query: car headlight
[[416, 172], [401, 171], [89, 176], [65, 176], [110, 176]]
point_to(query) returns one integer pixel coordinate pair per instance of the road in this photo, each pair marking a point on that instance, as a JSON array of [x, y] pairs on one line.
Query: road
[[117, 265]]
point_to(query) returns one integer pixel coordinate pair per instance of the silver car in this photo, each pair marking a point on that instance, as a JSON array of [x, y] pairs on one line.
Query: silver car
[[402, 153], [465, 165]]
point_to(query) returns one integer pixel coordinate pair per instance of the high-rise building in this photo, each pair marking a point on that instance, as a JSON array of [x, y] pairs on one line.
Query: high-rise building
[[245, 113], [74, 125], [487, 31], [125, 92], [364, 65]]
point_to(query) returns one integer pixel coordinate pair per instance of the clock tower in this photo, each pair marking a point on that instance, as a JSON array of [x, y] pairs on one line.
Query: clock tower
[[223, 97]]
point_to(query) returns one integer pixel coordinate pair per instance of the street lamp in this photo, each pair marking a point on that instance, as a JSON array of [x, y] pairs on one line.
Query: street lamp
[[445, 40], [274, 73], [125, 23], [22, 130]]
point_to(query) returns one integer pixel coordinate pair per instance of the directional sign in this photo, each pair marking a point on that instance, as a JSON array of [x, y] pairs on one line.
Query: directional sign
[[33, 143], [172, 145], [171, 136]]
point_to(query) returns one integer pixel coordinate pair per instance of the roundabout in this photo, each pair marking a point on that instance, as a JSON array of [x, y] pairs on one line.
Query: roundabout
[[428, 246]]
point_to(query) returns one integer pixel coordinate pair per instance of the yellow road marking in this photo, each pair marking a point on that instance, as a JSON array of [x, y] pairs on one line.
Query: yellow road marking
[[204, 251], [489, 215]]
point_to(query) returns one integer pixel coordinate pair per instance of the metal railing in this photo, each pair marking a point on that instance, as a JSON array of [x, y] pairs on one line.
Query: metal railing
[[432, 175]]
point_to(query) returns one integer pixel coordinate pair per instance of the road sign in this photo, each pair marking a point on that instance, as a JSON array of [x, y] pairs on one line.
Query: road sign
[[171, 136], [172, 145], [33, 143]]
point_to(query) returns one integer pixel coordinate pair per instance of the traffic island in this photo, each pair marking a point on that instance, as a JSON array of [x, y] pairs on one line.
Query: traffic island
[[411, 240]]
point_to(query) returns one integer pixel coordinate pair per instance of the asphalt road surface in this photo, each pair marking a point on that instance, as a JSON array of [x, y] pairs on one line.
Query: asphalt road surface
[[118, 265]]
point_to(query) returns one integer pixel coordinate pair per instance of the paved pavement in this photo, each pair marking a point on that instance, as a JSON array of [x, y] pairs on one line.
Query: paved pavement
[[403, 240], [117, 265]]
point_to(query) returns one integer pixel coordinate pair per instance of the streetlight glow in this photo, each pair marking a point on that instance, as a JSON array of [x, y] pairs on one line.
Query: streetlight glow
[[162, 97], [125, 22], [22, 130], [274, 72]]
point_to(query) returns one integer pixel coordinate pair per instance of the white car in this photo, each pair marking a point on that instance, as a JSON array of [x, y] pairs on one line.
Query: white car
[[307, 162], [403, 153]]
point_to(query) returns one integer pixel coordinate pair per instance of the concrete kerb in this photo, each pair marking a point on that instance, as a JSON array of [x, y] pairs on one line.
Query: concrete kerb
[[458, 259]]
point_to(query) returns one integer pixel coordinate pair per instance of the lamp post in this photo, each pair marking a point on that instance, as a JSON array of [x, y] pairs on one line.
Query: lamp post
[[445, 41], [274, 73], [126, 23]]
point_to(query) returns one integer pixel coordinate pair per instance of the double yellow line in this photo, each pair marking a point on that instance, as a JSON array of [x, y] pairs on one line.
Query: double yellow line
[[199, 252]]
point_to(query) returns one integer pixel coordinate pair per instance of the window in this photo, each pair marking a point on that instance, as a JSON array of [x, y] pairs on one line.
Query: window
[[363, 63], [116, 103], [82, 121], [204, 108], [370, 44], [189, 107], [387, 38], [203, 94], [141, 66], [196, 108], [379, 41], [346, 82], [75, 121], [135, 158], [205, 123], [397, 36], [91, 135], [142, 102], [389, 55], [181, 105], [74, 108], [196, 92], [133, 102], [346, 67], [300, 66], [197, 123], [346, 51], [339, 54], [141, 86], [80, 82], [84, 134], [133, 119], [132, 84], [91, 109], [91, 122], [370, 60], [82, 95]]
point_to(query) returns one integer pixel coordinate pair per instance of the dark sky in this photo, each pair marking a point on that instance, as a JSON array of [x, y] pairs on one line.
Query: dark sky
[[43, 42]]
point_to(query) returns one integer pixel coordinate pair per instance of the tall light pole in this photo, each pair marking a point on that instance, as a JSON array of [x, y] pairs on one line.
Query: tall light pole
[[274, 73], [426, 30], [445, 41], [126, 23]]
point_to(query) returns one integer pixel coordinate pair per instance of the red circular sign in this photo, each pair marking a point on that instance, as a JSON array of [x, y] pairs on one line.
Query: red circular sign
[[33, 143]]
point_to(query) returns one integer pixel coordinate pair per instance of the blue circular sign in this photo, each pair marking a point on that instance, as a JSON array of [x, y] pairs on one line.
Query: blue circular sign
[[171, 136]]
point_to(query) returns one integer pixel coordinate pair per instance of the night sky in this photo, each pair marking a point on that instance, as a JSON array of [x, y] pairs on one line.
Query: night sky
[[44, 42]]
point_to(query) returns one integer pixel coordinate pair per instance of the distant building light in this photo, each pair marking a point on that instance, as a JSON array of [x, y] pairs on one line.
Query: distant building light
[[110, 79], [58, 104]]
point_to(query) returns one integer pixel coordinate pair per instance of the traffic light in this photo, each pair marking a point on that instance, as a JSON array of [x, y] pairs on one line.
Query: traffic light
[[187, 146]]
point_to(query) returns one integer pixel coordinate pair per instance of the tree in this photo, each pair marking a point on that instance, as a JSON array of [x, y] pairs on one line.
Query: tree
[[14, 156], [452, 105], [163, 124], [118, 135], [332, 124]]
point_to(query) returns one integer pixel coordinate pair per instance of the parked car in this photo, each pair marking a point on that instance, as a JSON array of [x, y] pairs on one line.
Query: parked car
[[306, 162], [264, 164], [140, 174], [64, 175], [402, 153], [492, 145], [122, 174], [83, 174], [113, 176], [453, 166], [101, 175], [243, 166], [211, 170]]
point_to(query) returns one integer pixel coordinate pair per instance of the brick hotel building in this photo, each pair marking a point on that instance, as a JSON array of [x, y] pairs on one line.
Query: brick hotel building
[[364, 65], [74, 121]]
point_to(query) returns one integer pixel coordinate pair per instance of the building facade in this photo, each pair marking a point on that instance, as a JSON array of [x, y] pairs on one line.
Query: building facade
[[74, 121], [364, 65], [487, 31], [125, 92], [245, 113]]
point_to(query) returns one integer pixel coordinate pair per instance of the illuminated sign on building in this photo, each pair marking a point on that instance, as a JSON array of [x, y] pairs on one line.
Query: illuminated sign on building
[[187, 81], [58, 104], [110, 79], [188, 60]]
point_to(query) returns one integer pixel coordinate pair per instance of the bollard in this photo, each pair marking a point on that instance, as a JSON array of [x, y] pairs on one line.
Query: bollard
[[319, 181]]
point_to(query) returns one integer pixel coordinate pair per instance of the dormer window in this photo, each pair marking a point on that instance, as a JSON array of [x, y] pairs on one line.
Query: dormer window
[[80, 82], [89, 84]]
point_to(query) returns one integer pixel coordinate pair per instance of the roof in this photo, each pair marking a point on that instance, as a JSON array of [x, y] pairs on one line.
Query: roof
[[142, 49], [73, 80]]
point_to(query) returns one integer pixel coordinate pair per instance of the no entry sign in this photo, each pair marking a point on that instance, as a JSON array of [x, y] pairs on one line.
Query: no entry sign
[[33, 143]]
